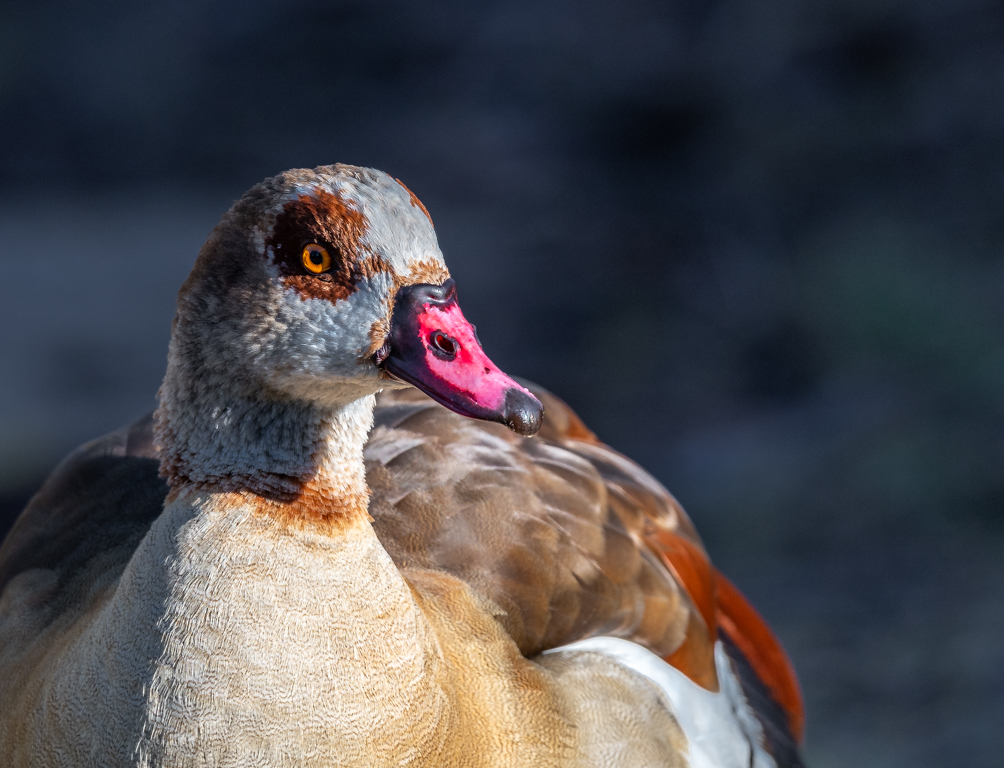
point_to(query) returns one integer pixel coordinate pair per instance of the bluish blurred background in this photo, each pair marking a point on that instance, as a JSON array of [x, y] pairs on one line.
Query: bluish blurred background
[[756, 243]]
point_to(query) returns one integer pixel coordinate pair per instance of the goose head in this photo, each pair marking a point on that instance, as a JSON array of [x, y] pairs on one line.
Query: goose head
[[324, 286]]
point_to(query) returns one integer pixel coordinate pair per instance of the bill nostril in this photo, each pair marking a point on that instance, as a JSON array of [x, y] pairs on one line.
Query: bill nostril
[[442, 345]]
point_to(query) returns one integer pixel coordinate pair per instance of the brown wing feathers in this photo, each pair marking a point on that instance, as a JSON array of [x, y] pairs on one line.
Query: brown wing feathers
[[552, 530], [526, 523], [567, 537]]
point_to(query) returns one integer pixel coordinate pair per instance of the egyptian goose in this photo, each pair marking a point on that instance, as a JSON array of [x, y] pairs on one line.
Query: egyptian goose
[[302, 560]]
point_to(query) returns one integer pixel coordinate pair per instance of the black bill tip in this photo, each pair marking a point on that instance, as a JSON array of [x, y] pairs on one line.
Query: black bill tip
[[522, 413]]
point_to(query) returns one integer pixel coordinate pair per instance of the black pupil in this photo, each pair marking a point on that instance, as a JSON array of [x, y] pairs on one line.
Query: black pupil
[[316, 258]]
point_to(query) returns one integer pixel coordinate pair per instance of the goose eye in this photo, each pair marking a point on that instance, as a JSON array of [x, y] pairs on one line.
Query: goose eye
[[316, 258]]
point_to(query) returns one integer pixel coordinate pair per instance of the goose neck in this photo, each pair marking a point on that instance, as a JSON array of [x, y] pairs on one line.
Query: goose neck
[[300, 462]]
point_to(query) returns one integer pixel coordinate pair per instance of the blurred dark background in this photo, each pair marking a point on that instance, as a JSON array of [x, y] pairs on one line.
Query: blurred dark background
[[757, 244]]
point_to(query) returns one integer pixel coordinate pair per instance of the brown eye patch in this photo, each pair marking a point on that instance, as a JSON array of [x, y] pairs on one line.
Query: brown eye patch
[[312, 226]]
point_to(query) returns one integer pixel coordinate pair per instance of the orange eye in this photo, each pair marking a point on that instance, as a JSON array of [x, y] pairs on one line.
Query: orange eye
[[316, 258]]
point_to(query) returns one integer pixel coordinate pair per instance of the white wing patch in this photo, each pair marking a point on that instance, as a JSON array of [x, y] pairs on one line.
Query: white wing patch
[[721, 729]]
